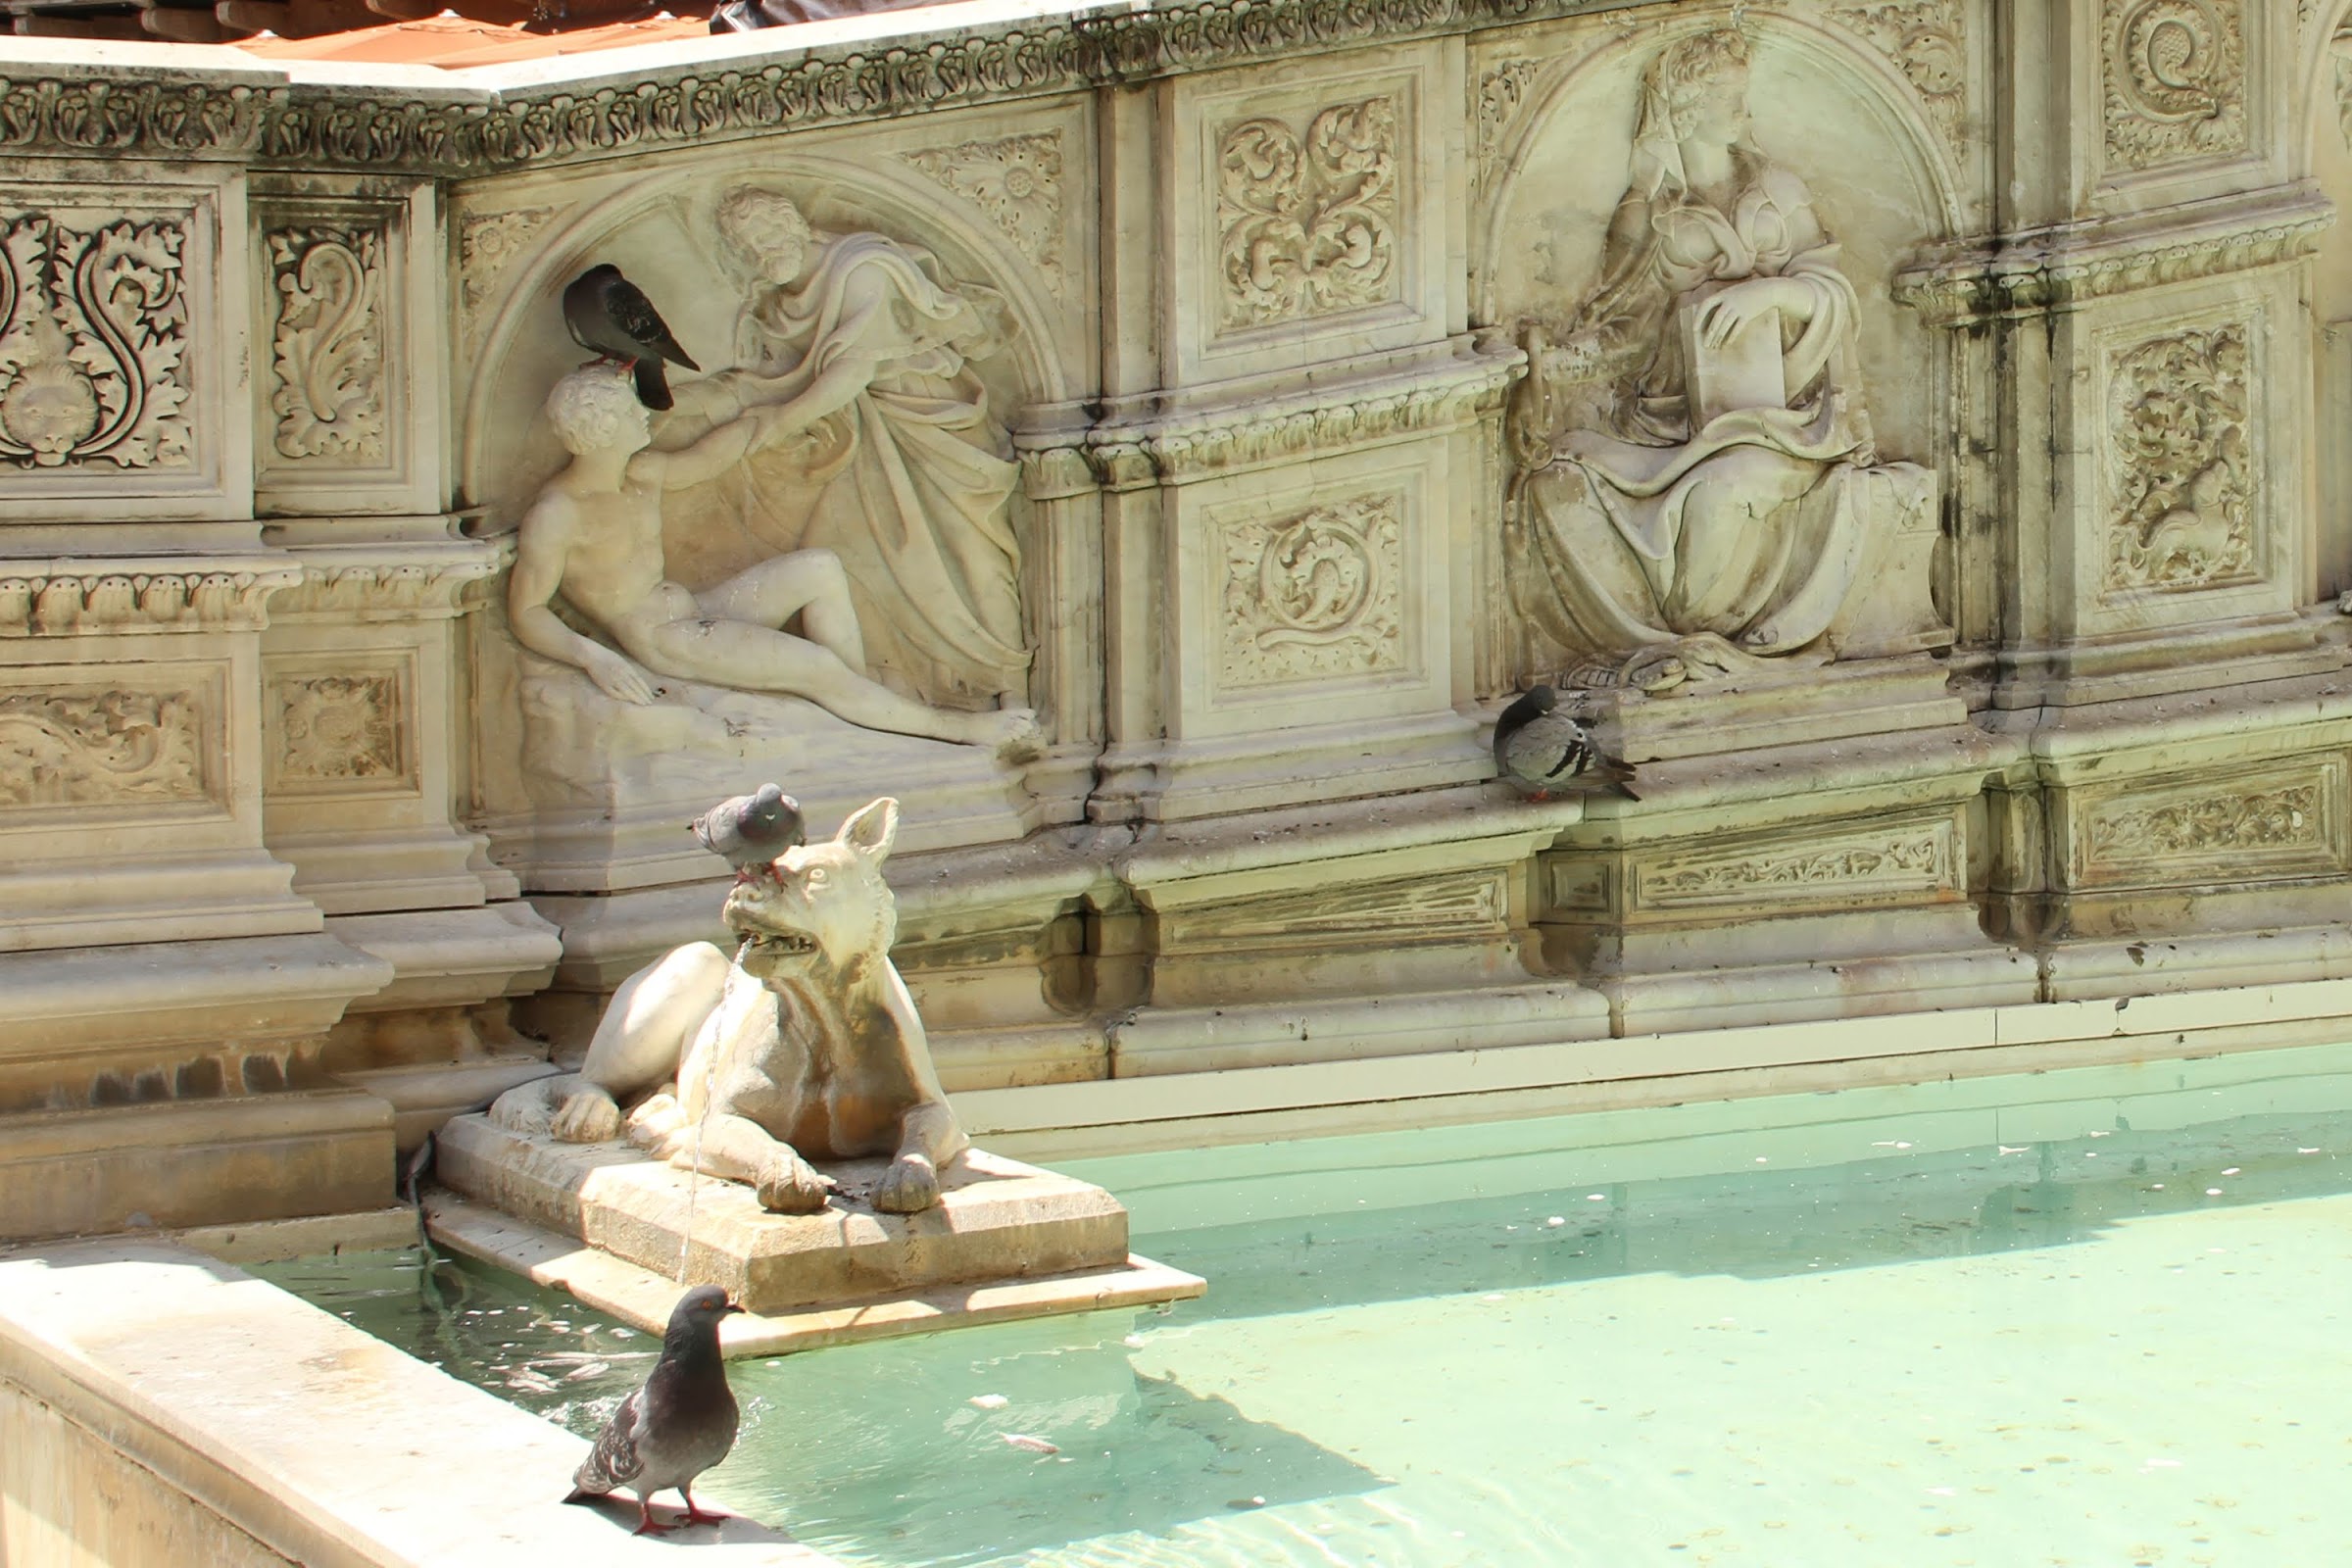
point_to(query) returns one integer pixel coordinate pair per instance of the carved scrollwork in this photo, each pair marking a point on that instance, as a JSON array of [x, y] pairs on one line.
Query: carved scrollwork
[[1502, 93], [1928, 41], [96, 746], [93, 333], [1314, 595], [1016, 180], [329, 348], [1307, 226], [2175, 79], [2184, 478], [1918, 860]]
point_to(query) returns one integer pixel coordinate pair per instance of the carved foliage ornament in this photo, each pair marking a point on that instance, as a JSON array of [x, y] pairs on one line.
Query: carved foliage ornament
[[98, 746], [1016, 182], [486, 243], [2234, 829], [2181, 462], [1501, 91], [1315, 594], [102, 603], [93, 333], [338, 730], [330, 349], [2175, 79], [1307, 226], [1914, 861], [1926, 39]]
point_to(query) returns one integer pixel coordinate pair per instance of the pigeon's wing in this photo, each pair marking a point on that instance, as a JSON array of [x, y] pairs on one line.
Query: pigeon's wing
[[635, 315], [614, 1460], [1571, 741]]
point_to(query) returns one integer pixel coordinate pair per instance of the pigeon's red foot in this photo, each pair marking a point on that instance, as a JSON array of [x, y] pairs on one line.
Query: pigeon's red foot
[[648, 1525], [696, 1516]]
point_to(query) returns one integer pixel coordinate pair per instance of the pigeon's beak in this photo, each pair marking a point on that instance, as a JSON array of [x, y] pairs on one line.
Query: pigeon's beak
[[731, 1306]]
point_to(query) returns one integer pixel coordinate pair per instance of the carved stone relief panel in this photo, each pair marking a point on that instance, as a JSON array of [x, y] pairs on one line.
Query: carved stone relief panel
[[339, 731], [2175, 81], [1871, 864], [1310, 210], [120, 741], [95, 331], [2183, 467], [1434, 906], [487, 243], [328, 348], [1316, 594], [1928, 41], [2282, 821]]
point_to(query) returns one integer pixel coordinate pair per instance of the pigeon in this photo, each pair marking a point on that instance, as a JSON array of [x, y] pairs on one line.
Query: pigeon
[[607, 313], [680, 1424], [1537, 749], [751, 830]]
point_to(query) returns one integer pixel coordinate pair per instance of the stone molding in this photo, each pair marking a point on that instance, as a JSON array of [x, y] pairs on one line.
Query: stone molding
[[437, 131], [64, 599], [2067, 264], [1176, 449], [429, 584]]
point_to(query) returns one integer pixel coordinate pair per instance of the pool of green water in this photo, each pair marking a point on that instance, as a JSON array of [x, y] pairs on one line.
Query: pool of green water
[[2100, 1318]]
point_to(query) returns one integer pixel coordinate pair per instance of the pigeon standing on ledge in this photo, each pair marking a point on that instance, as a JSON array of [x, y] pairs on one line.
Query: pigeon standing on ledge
[[680, 1424], [610, 316], [751, 830], [1538, 749]]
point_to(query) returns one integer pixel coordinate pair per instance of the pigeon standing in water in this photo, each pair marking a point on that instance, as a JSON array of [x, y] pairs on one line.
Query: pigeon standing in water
[[751, 830], [611, 315], [1537, 748], [680, 1424]]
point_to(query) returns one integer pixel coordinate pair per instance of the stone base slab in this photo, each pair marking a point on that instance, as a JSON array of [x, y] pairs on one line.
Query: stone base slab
[[644, 1298], [996, 1220]]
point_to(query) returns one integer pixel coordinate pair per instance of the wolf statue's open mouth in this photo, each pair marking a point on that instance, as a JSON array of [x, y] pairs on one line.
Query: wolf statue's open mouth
[[778, 944]]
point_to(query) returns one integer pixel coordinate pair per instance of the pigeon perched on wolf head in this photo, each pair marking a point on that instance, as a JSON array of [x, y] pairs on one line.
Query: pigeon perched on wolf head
[[608, 313], [751, 830], [1538, 749], [680, 1424]]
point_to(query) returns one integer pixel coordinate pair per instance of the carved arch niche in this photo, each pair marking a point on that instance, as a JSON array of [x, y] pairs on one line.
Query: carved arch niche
[[1555, 125]]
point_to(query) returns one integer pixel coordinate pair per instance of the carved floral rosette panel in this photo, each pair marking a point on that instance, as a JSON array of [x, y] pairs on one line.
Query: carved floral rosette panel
[[1307, 215], [1316, 596], [118, 743], [2184, 469], [1928, 42], [1016, 180], [2176, 81], [2276, 822], [488, 243], [329, 395], [341, 731], [94, 342]]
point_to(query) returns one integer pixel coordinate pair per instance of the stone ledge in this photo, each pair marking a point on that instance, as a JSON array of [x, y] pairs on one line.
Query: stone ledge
[[644, 1298]]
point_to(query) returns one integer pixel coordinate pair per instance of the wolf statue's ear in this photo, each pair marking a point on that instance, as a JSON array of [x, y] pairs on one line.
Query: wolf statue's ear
[[872, 828]]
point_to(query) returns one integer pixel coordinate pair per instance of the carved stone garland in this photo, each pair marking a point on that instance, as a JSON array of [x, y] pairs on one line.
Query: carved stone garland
[[93, 336], [2175, 79], [1307, 226], [2182, 456], [1016, 182], [1315, 594], [329, 346]]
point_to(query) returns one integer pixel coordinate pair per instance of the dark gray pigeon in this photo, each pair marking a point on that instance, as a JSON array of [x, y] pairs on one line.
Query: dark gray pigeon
[[1538, 749], [751, 830], [611, 315], [680, 1424]]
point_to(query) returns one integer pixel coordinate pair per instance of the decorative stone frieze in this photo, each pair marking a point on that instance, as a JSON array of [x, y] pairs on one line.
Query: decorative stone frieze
[[1306, 222], [1314, 595], [380, 588], [1870, 863], [328, 344], [1016, 180], [2184, 469], [96, 332], [2281, 822], [2176, 81], [95, 600]]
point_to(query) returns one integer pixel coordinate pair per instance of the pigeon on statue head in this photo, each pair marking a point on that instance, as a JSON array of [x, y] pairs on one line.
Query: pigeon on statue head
[[677, 1426], [611, 315], [751, 830]]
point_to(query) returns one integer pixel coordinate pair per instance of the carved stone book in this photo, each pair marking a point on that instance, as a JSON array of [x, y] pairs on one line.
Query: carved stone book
[[1744, 373]]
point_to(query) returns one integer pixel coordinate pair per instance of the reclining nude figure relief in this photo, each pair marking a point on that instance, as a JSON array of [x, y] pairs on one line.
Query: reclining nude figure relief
[[805, 1046], [594, 537]]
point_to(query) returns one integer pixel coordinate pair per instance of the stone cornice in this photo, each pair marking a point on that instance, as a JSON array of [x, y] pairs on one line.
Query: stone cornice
[[388, 580], [127, 597], [452, 125], [2053, 269], [1176, 448]]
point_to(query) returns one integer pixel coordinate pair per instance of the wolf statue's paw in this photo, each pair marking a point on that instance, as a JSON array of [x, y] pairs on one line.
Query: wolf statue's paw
[[587, 1115], [911, 1186], [791, 1186]]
